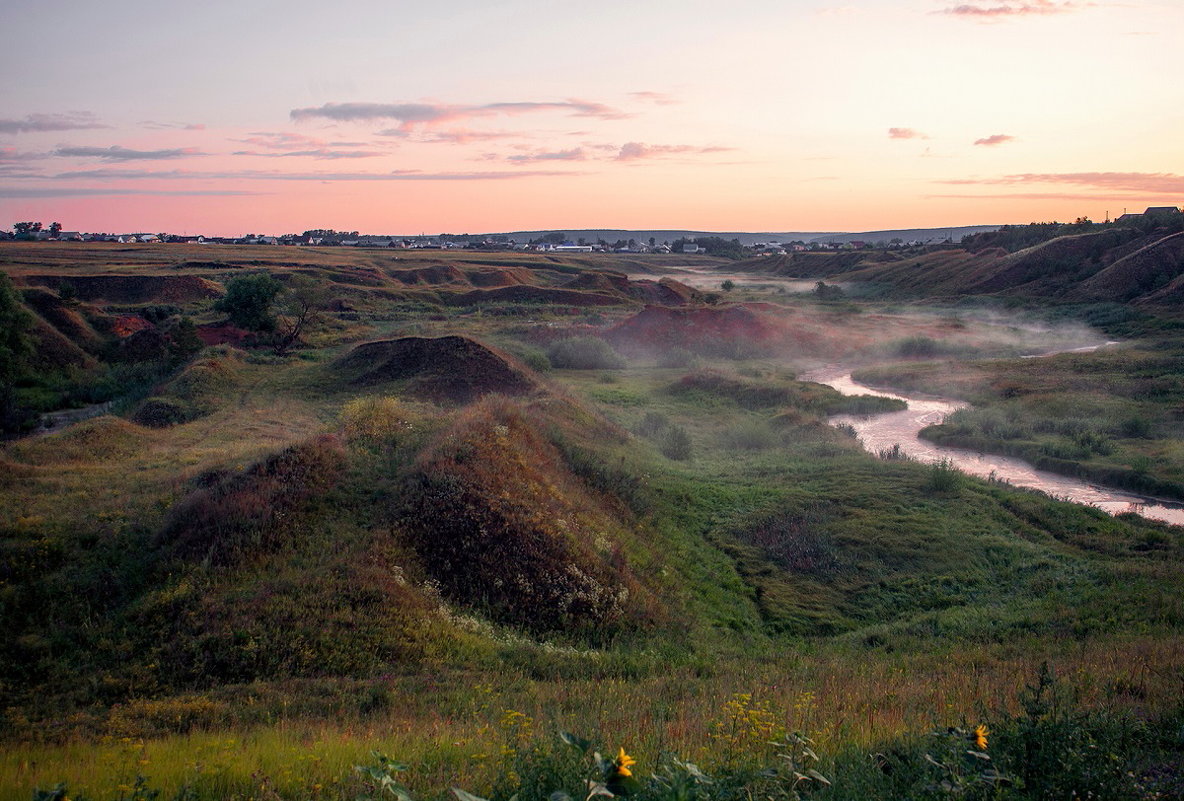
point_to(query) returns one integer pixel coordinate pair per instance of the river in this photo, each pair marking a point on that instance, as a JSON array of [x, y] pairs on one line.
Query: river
[[883, 431]]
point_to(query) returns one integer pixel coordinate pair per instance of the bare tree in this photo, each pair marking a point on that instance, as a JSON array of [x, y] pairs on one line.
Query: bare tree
[[300, 307]]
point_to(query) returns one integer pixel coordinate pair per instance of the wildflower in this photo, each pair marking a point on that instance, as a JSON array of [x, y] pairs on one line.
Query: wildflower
[[980, 736], [624, 762]]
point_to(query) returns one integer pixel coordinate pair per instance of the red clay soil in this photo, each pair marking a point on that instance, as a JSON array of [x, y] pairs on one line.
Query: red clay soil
[[135, 288], [125, 325], [702, 328], [222, 335], [456, 369]]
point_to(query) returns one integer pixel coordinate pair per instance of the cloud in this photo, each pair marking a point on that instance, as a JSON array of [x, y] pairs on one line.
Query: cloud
[[575, 154], [994, 139], [117, 153], [411, 115], [153, 125], [265, 175], [1013, 9], [637, 151], [318, 153], [905, 133], [657, 98], [10, 154], [55, 191], [1157, 183], [460, 136], [66, 121], [286, 140]]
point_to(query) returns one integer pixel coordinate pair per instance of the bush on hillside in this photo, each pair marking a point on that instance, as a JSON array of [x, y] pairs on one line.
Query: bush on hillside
[[584, 353]]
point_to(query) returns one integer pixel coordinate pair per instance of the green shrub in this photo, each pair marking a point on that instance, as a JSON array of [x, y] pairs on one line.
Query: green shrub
[[676, 444], [678, 358], [945, 477], [584, 353]]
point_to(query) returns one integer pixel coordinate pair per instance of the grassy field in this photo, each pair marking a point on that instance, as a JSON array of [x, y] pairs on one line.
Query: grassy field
[[670, 553]]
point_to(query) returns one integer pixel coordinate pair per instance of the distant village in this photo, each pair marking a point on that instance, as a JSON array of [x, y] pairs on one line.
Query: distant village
[[548, 242]]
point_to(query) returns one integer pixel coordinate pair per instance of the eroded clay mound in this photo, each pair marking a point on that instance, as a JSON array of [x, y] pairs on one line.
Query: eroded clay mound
[[135, 288], [451, 368], [710, 330]]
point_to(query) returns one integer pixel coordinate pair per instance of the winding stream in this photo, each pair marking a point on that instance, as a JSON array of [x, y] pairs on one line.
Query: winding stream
[[883, 431]]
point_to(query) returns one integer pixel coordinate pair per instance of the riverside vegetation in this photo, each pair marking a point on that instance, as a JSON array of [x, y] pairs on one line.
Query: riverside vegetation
[[491, 529]]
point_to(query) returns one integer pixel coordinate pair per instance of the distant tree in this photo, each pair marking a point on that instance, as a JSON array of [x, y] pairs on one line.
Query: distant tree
[[653, 242], [300, 307], [55, 228], [15, 347], [248, 301], [25, 228], [68, 293], [825, 291], [184, 343], [728, 285], [555, 238]]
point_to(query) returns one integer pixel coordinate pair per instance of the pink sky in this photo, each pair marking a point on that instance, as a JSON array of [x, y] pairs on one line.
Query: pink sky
[[460, 116]]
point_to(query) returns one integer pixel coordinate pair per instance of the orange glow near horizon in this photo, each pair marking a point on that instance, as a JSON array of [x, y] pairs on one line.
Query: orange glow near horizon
[[798, 116]]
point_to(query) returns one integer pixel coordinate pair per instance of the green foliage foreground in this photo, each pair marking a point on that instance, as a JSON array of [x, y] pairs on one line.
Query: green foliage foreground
[[1050, 749]]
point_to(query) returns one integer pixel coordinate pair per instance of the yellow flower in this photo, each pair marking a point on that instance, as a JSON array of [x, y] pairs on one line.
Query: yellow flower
[[980, 736], [624, 762]]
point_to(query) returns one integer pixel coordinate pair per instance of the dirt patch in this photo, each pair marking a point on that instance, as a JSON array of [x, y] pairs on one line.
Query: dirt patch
[[452, 368]]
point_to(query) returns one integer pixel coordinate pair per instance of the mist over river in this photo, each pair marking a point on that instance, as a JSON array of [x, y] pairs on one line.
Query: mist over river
[[883, 431]]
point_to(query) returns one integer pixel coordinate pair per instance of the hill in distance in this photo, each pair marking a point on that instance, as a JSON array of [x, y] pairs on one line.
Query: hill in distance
[[749, 238]]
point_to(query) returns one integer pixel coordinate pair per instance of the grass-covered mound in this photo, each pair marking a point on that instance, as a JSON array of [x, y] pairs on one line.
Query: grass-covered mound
[[196, 391], [451, 368], [505, 527], [241, 516]]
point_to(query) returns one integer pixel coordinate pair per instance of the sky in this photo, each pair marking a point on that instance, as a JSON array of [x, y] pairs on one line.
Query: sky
[[464, 116]]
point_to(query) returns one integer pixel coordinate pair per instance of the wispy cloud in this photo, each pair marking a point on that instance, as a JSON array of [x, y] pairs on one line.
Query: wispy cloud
[[317, 153], [118, 153], [575, 154], [1158, 183], [287, 140], [638, 151], [460, 136], [905, 133], [1012, 9], [657, 98], [10, 154], [411, 115], [65, 121], [994, 139], [154, 125], [266, 175], [66, 191]]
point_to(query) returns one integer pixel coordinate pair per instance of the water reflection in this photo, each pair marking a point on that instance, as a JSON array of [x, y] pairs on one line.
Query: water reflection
[[883, 431]]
